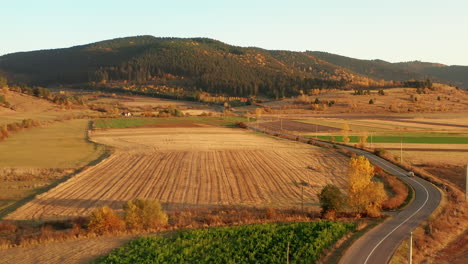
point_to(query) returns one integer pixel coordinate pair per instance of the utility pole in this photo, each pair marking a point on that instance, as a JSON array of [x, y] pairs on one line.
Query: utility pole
[[302, 199], [281, 121], [287, 254], [401, 151], [316, 131], [410, 260], [371, 139]]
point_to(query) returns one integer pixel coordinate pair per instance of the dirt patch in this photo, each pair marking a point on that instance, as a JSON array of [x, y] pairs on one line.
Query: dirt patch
[[433, 123], [174, 125], [453, 173], [291, 125], [456, 252]]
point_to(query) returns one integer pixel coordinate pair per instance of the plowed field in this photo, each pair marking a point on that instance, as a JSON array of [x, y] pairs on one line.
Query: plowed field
[[185, 167]]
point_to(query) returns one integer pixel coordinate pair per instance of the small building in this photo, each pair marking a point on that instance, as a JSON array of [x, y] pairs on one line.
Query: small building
[[126, 114]]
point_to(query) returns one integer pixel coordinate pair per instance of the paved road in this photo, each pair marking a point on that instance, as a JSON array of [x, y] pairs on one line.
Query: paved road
[[378, 245]]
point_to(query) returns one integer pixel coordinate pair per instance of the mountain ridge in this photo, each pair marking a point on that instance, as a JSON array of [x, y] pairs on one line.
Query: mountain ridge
[[213, 66]]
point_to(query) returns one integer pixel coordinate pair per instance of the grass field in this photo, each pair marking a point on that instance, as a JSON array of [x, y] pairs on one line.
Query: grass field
[[265, 243], [155, 122], [61, 145], [207, 166], [33, 159]]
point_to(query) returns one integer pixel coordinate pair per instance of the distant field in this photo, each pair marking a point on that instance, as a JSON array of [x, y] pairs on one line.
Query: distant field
[[175, 121], [265, 243], [193, 167], [429, 139], [29, 107], [61, 145]]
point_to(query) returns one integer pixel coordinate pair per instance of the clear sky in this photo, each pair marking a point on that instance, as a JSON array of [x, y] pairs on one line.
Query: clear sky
[[392, 30]]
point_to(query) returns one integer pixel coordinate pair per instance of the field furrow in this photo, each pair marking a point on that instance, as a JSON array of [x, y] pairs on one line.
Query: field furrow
[[200, 167]]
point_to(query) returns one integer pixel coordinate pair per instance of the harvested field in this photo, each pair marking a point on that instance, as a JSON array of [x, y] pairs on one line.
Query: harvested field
[[64, 252], [193, 167], [291, 125]]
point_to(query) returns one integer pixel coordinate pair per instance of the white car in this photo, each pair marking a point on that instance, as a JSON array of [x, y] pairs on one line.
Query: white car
[[410, 174]]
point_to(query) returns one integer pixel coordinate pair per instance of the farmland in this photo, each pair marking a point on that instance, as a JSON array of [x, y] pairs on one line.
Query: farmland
[[437, 143], [61, 145], [167, 122], [35, 158], [29, 107], [207, 166], [239, 244]]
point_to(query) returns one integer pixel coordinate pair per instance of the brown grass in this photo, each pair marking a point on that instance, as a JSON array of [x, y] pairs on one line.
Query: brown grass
[[400, 192]]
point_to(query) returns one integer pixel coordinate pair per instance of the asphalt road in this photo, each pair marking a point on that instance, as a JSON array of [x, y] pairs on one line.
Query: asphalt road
[[378, 245]]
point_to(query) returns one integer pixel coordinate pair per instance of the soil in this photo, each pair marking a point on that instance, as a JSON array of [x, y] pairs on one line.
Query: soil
[[291, 125], [453, 173]]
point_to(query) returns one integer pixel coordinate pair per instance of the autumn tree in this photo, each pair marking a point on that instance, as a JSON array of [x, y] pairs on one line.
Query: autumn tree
[[144, 214], [365, 195], [104, 220], [363, 139], [258, 112], [345, 133], [3, 132], [3, 82]]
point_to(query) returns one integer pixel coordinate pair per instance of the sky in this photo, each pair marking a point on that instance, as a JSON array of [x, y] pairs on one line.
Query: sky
[[396, 30]]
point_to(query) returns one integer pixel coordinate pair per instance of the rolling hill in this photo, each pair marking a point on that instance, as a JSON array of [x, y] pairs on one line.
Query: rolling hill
[[206, 65]]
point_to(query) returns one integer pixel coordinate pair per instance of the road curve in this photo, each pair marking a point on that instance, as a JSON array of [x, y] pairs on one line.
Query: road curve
[[378, 245]]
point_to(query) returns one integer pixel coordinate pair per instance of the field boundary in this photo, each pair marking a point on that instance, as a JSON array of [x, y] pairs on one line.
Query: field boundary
[[11, 208]]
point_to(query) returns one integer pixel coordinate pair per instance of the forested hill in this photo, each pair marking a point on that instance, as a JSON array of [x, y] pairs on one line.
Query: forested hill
[[379, 69], [198, 64]]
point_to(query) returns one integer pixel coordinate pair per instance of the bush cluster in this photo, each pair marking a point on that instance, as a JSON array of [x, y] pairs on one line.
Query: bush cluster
[[139, 214]]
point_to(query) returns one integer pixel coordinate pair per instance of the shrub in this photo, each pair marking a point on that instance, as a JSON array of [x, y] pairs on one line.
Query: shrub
[[371, 101], [270, 213], [241, 124], [331, 198], [3, 101], [4, 132], [7, 227], [144, 214], [28, 123], [14, 127], [379, 152], [104, 220]]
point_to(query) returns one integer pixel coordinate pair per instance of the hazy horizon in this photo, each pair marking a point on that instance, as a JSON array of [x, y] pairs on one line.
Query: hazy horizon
[[428, 31]]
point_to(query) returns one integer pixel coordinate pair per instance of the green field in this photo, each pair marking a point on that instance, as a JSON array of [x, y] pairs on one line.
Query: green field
[[261, 243], [60, 145], [139, 122]]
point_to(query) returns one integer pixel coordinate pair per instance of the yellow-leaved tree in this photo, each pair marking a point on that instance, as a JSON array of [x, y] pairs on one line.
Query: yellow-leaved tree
[[363, 139], [345, 133], [365, 195]]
